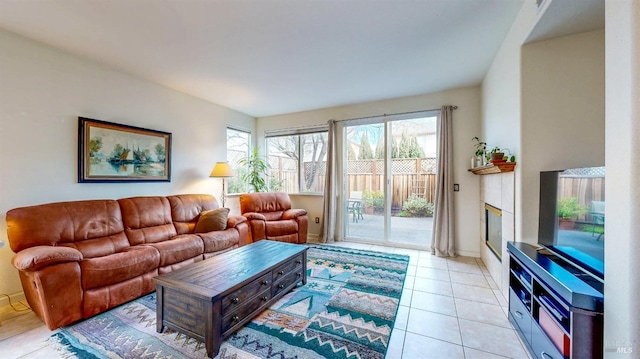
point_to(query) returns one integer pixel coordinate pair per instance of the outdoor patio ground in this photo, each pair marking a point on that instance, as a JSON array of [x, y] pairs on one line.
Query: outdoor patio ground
[[405, 231]]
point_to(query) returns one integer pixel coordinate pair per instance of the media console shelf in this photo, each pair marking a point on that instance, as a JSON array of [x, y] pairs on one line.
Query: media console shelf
[[556, 308]]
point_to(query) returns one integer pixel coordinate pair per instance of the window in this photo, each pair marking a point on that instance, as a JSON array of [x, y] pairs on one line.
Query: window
[[237, 149], [297, 160]]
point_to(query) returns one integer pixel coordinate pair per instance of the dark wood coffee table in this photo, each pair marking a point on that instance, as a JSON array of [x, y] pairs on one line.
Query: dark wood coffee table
[[211, 299]]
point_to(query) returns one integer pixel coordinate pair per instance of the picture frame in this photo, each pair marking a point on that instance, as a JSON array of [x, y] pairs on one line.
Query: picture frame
[[113, 152]]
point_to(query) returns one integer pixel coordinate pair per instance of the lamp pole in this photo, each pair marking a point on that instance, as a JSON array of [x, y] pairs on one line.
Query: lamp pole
[[222, 170]]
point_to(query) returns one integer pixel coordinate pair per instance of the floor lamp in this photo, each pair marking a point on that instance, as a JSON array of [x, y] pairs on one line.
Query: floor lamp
[[222, 170]]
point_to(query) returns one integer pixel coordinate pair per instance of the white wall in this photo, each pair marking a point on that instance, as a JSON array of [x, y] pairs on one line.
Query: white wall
[[562, 122], [532, 89], [42, 93], [501, 99], [466, 126], [501, 87], [622, 244], [548, 99]]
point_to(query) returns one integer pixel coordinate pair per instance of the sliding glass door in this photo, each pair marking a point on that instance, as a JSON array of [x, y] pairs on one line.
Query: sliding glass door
[[365, 182], [389, 177]]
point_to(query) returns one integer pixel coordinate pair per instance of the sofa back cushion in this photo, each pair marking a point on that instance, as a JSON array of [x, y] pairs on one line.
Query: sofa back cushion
[[94, 227], [271, 204], [147, 219], [186, 209]]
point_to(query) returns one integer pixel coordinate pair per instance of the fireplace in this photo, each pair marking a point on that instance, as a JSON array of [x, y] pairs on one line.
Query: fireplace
[[493, 230]]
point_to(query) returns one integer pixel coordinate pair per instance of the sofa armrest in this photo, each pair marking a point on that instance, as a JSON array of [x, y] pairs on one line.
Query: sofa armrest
[[34, 258], [234, 220], [254, 215], [293, 213]]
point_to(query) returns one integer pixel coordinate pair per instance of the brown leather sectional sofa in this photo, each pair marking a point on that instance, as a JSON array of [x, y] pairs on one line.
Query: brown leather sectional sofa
[[80, 258]]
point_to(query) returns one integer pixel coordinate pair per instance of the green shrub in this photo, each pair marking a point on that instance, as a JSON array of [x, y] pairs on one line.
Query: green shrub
[[417, 207], [570, 208], [374, 199]]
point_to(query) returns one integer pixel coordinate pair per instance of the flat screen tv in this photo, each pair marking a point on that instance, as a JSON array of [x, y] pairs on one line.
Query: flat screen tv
[[572, 220]]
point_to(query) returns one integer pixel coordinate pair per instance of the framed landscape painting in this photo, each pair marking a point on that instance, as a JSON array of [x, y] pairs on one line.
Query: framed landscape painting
[[111, 152]]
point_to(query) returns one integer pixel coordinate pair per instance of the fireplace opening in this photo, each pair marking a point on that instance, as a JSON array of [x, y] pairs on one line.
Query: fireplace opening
[[493, 230]]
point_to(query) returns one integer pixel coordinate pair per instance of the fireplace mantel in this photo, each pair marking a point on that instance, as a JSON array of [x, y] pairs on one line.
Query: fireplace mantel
[[494, 168]]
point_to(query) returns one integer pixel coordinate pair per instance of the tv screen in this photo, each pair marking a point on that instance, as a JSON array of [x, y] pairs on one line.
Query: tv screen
[[572, 220]]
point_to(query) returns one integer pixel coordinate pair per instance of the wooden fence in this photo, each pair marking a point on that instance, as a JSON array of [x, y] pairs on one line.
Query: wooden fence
[[585, 189], [408, 176], [402, 186]]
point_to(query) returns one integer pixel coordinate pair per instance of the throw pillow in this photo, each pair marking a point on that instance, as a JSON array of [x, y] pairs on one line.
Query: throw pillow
[[212, 220]]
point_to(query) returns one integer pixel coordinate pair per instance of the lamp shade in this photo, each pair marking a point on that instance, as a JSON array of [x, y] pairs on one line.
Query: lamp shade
[[221, 169]]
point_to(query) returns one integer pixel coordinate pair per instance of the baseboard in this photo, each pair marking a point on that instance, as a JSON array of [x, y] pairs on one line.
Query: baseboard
[[468, 254], [15, 298], [313, 237]]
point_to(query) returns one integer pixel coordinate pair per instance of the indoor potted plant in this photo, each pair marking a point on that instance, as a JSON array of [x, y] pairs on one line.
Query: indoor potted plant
[[495, 155], [257, 171], [481, 147]]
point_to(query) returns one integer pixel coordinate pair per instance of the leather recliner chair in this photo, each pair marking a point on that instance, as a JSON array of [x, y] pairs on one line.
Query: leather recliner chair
[[270, 216]]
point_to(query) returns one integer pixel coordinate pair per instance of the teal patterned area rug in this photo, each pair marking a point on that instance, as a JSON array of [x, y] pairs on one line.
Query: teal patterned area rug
[[346, 310]]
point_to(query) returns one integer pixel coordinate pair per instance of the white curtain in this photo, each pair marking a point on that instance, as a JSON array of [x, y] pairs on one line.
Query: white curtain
[[330, 209], [442, 243]]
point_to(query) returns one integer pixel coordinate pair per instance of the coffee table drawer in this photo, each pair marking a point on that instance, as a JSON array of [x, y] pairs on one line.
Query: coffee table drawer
[[287, 267], [230, 319], [239, 297], [287, 282]]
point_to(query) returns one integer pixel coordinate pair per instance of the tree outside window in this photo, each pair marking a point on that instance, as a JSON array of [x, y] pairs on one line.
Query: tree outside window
[[297, 162]]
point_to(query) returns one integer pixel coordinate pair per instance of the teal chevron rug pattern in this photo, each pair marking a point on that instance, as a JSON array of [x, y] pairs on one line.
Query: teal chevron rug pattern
[[346, 310]]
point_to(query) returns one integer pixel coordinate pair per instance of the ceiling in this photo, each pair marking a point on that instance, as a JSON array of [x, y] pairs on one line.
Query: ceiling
[[268, 57]]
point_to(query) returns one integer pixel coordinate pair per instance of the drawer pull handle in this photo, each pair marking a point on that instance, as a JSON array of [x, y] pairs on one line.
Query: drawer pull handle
[[235, 300], [518, 314], [298, 261], [280, 286], [545, 355], [280, 272], [265, 282], [264, 298], [235, 318]]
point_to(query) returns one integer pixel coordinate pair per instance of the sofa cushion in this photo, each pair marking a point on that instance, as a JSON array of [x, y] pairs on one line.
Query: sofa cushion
[[220, 240], [178, 249], [213, 220], [118, 267], [147, 219], [264, 202], [70, 223], [280, 228], [186, 208]]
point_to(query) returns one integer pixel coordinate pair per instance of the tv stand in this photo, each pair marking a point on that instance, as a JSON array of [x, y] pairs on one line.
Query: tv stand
[[554, 308]]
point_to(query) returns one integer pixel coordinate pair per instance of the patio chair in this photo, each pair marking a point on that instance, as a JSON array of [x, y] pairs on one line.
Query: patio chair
[[354, 208], [597, 213]]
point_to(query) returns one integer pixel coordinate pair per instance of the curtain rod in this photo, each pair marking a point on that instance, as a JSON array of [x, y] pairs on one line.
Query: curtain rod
[[394, 114]]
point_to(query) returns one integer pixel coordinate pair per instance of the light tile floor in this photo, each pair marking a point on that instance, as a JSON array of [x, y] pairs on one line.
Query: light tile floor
[[450, 308]]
